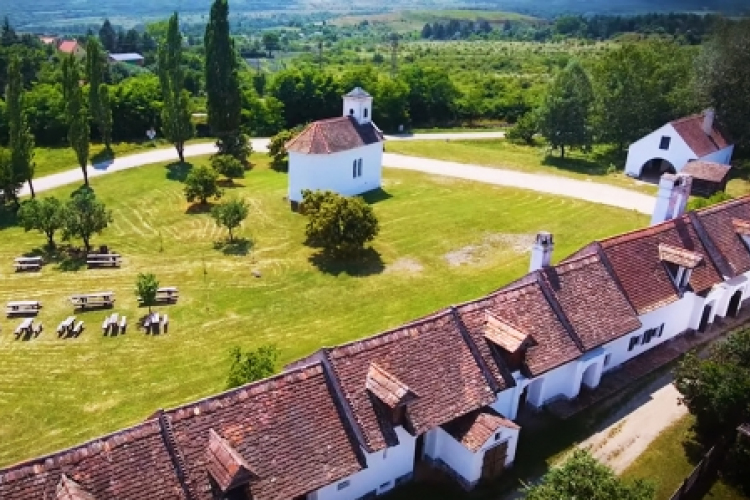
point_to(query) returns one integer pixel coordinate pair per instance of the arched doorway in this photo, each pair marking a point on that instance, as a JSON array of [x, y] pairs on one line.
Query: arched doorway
[[652, 170], [734, 304]]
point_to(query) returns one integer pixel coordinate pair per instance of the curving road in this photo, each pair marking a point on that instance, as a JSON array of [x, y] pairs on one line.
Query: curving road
[[551, 184]]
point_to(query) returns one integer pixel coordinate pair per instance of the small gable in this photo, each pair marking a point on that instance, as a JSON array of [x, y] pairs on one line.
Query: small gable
[[227, 467], [504, 335], [741, 226], [475, 428], [679, 256], [67, 489], [387, 388]]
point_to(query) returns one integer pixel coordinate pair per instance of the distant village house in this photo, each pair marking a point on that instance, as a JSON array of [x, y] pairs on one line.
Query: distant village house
[[127, 58]]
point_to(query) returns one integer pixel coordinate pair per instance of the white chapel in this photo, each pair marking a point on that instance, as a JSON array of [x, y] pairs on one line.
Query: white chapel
[[343, 154]]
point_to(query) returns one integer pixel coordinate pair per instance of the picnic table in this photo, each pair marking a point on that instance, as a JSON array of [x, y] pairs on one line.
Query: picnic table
[[22, 307], [93, 300], [28, 263], [66, 325], [25, 326], [165, 295], [103, 260]]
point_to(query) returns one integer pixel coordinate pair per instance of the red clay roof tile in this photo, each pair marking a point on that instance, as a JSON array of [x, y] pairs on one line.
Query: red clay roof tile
[[333, 136], [474, 429], [387, 388], [725, 224], [679, 256], [226, 466], [690, 129], [707, 171]]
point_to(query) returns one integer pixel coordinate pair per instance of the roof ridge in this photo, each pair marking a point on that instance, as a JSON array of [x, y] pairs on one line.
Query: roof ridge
[[649, 230], [714, 254], [474, 349], [723, 204], [173, 450], [558, 311]]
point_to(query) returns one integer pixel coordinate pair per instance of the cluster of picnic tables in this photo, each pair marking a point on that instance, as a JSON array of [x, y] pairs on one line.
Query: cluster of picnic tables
[[92, 260]]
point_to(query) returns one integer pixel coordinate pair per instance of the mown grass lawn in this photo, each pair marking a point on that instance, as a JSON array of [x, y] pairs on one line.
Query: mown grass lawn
[[55, 393], [667, 463], [499, 153]]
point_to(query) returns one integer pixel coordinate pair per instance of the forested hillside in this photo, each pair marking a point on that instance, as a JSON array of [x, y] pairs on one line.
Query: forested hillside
[[41, 12]]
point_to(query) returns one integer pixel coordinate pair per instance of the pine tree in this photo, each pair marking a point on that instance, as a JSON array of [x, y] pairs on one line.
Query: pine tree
[[175, 115], [20, 140], [95, 66], [75, 113], [222, 83], [108, 36]]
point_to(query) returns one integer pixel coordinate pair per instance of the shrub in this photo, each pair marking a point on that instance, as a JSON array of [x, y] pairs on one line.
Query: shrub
[[228, 166], [250, 366], [201, 185], [230, 214]]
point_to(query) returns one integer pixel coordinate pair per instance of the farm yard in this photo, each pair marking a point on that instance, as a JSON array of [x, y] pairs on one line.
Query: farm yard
[[442, 241]]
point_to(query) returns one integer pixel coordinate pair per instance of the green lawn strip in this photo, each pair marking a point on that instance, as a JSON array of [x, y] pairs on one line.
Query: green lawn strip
[[667, 463], [56, 393], [499, 153]]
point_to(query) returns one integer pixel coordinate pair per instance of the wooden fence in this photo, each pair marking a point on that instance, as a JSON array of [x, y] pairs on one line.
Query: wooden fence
[[704, 472]]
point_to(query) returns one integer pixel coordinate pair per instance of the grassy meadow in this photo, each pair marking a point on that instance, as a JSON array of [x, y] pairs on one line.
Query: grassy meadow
[[442, 241]]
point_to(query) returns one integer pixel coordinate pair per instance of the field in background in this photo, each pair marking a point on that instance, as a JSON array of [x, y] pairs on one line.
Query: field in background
[[442, 241]]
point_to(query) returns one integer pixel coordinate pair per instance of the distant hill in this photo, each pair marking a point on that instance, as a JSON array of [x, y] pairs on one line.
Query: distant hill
[[40, 13]]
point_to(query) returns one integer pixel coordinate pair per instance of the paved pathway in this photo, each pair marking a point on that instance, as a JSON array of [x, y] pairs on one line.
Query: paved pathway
[[589, 191]]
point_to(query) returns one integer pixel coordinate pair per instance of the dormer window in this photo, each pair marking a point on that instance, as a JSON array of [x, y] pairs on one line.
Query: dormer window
[[389, 390], [511, 342], [226, 467], [67, 489], [679, 264]]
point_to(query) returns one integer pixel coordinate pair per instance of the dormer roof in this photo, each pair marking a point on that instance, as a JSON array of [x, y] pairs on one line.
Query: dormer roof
[[67, 489], [387, 388], [504, 335], [679, 256], [741, 226], [358, 92], [226, 466]]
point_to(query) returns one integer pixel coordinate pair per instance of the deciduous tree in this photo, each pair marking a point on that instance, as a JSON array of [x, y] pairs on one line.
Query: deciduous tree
[[228, 166], [250, 366], [146, 286], [20, 140], [339, 224], [176, 113], [222, 82], [44, 215], [230, 214], [78, 122], [565, 115], [201, 184], [84, 216], [277, 149]]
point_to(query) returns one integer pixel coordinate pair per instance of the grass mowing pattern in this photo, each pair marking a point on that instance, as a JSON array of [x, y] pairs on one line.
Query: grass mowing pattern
[[55, 393]]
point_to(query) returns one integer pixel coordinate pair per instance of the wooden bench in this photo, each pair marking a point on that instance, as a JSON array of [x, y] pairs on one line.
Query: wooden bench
[[28, 263], [103, 260], [23, 307], [66, 325], [93, 300], [123, 324], [24, 327], [78, 328], [164, 295]]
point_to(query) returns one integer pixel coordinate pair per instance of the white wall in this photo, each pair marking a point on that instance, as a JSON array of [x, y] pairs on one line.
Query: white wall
[[334, 171], [647, 149], [383, 467], [441, 445]]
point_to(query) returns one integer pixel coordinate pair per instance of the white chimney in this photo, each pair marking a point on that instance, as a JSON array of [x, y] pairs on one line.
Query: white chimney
[[708, 121], [541, 251], [672, 198]]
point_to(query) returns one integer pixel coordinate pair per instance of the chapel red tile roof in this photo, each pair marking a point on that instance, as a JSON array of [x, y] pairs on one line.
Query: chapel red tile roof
[[723, 225], [130, 464], [474, 429], [634, 258], [690, 129], [591, 300], [525, 307], [288, 429], [706, 170], [333, 136], [432, 358]]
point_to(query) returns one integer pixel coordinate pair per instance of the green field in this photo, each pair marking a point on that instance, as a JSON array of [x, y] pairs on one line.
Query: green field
[[499, 153], [55, 393], [666, 463]]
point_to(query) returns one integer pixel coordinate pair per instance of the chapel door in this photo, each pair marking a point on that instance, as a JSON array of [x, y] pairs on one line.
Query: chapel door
[[494, 461]]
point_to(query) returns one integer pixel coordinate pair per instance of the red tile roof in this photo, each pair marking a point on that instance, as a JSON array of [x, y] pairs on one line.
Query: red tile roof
[[288, 430], [474, 429], [226, 466], [707, 171], [387, 388], [720, 223], [504, 335], [635, 260], [432, 357], [333, 136], [591, 300], [525, 307], [690, 129], [68, 46], [679, 256], [67, 489], [129, 464]]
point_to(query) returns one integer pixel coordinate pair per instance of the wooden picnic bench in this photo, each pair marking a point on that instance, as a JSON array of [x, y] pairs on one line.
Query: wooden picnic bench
[[28, 263], [22, 307], [66, 325], [24, 327], [103, 260], [93, 300], [78, 328], [165, 295]]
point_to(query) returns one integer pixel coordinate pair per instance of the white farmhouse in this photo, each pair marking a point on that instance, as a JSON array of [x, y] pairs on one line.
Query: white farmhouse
[[670, 148], [343, 154]]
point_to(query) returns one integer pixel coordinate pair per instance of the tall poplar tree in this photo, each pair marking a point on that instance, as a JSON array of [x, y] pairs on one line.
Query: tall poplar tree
[[222, 83], [100, 112], [175, 114], [75, 113], [20, 140]]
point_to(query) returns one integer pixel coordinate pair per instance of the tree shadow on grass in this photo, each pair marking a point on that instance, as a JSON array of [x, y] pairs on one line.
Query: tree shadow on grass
[[8, 216], [199, 208], [599, 162], [376, 195], [178, 171], [239, 246], [229, 184], [67, 257], [367, 263], [103, 159]]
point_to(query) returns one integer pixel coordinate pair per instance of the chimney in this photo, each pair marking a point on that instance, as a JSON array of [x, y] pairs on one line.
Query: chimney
[[672, 198], [541, 251], [708, 121]]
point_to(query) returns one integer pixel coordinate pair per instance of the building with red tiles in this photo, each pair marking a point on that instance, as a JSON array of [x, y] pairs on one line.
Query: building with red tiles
[[671, 147], [344, 154]]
